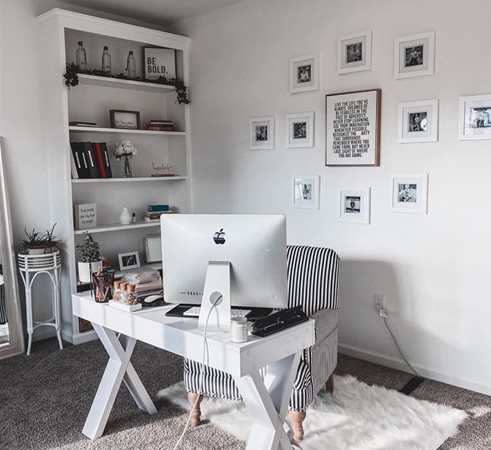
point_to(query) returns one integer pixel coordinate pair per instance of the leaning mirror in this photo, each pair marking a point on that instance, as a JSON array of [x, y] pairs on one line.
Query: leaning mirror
[[11, 335]]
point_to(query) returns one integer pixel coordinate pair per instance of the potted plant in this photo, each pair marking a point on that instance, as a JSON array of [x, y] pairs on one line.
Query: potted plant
[[40, 244], [89, 258]]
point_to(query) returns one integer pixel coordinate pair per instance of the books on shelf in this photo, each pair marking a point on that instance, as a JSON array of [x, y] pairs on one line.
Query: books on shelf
[[82, 124], [90, 160], [161, 125]]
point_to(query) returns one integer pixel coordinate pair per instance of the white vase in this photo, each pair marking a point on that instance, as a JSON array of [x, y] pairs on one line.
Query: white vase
[[85, 270], [125, 216]]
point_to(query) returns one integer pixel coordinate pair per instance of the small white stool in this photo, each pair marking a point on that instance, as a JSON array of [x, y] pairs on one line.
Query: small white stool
[[30, 266]]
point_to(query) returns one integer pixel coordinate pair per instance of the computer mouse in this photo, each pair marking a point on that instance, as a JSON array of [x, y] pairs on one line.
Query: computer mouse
[[152, 298]]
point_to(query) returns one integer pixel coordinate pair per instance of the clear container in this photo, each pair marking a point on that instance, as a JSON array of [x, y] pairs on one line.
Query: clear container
[[81, 57], [123, 295], [117, 291], [106, 61], [131, 66], [238, 329], [131, 295]]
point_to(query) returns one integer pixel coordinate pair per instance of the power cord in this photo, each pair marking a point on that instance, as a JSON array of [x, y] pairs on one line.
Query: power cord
[[384, 316], [205, 359]]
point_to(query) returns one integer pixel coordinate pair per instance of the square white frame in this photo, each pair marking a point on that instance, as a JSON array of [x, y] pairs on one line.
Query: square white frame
[[134, 266], [429, 106], [262, 145], [412, 40], [300, 203], [296, 87], [353, 38], [363, 216], [291, 119], [464, 134], [418, 207]]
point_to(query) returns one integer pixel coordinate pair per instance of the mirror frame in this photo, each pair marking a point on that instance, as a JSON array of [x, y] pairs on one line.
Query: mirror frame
[[11, 287]]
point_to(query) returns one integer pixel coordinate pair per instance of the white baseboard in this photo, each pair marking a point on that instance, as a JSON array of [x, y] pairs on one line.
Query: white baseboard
[[82, 338], [396, 363]]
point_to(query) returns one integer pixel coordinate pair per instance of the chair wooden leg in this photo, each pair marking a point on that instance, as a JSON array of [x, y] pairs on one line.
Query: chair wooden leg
[[297, 418], [330, 384], [196, 415]]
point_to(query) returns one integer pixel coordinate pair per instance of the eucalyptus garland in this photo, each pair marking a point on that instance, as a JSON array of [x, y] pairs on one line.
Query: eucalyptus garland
[[72, 71]]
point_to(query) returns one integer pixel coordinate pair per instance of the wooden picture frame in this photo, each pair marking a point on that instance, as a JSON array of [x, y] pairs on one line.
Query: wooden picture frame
[[350, 144], [124, 120]]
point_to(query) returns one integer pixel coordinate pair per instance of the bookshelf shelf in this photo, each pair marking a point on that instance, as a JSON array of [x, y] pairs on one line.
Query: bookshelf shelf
[[74, 129], [118, 227], [125, 84], [126, 180]]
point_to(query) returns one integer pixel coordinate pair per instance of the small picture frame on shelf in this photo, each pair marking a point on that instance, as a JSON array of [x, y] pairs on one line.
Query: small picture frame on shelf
[[410, 193], [305, 191], [355, 52], [415, 55], [354, 205], [160, 63], [475, 117], [304, 74], [300, 130], [125, 120], [418, 122], [129, 260], [261, 132]]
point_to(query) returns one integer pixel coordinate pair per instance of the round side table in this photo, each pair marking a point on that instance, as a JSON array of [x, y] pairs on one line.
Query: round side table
[[30, 266]]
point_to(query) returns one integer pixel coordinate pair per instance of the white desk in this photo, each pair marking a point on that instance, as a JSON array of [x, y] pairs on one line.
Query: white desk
[[266, 398]]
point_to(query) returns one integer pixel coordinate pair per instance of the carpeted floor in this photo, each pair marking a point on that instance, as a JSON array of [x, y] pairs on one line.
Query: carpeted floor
[[44, 400]]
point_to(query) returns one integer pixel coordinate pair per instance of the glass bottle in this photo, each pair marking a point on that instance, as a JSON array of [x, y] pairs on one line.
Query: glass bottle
[[131, 66], [117, 291], [81, 57], [106, 61], [123, 295], [130, 291]]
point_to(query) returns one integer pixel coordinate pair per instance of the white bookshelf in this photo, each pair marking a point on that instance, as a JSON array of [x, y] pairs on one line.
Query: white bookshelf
[[127, 180], [90, 101], [125, 84], [75, 129], [118, 227]]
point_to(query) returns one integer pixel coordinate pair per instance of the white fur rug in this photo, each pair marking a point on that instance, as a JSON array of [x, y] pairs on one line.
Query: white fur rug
[[357, 416]]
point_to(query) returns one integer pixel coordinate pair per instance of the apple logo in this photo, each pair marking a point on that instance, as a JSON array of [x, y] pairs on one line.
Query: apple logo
[[218, 237]]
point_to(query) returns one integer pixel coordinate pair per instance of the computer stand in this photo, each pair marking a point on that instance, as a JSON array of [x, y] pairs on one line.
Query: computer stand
[[216, 291]]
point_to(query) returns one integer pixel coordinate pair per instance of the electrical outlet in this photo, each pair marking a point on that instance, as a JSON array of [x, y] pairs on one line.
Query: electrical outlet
[[378, 302]]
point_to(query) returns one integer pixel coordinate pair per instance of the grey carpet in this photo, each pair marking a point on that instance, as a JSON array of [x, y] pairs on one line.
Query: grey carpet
[[44, 400]]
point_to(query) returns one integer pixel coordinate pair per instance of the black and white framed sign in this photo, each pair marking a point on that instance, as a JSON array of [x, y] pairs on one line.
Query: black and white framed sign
[[160, 63], [304, 74], [300, 130], [354, 205], [418, 121], [355, 52], [415, 55], [410, 193], [475, 117], [261, 133], [353, 128]]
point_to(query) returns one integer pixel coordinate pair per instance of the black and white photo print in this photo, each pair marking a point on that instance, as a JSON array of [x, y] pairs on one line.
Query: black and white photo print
[[354, 205], [410, 193], [300, 130], [303, 74], [415, 55], [355, 52], [305, 192], [261, 132], [418, 121]]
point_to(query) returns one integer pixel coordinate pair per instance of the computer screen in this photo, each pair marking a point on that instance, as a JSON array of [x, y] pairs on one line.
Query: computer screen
[[254, 245]]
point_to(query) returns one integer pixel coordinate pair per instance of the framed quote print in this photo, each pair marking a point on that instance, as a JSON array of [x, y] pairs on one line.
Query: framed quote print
[[353, 128]]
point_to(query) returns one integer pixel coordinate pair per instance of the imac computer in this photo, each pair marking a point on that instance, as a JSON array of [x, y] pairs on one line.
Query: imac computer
[[221, 260]]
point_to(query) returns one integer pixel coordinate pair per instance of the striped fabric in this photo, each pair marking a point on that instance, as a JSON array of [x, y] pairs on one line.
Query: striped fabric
[[313, 284]]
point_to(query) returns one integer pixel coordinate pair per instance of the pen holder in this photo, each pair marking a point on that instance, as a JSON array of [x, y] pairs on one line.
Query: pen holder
[[102, 283]]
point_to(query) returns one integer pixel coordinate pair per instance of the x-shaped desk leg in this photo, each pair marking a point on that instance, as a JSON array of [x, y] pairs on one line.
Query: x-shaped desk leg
[[267, 402], [119, 368]]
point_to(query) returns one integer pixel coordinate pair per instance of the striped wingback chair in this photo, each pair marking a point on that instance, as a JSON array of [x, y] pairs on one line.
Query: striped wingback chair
[[312, 274]]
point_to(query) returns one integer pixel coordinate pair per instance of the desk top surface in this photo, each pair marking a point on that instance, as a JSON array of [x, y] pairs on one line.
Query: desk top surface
[[181, 335]]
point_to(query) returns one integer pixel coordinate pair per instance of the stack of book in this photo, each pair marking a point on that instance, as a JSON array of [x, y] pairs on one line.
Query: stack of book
[[161, 125], [90, 160], [83, 124], [153, 212]]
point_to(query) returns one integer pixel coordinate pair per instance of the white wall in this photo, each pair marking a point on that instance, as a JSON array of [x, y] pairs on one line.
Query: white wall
[[433, 268]]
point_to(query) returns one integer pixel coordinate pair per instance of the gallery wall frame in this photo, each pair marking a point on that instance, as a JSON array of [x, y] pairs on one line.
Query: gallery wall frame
[[354, 205], [300, 130], [475, 117], [418, 121], [414, 55], [409, 193], [350, 143], [262, 133], [305, 191], [304, 74], [355, 52]]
